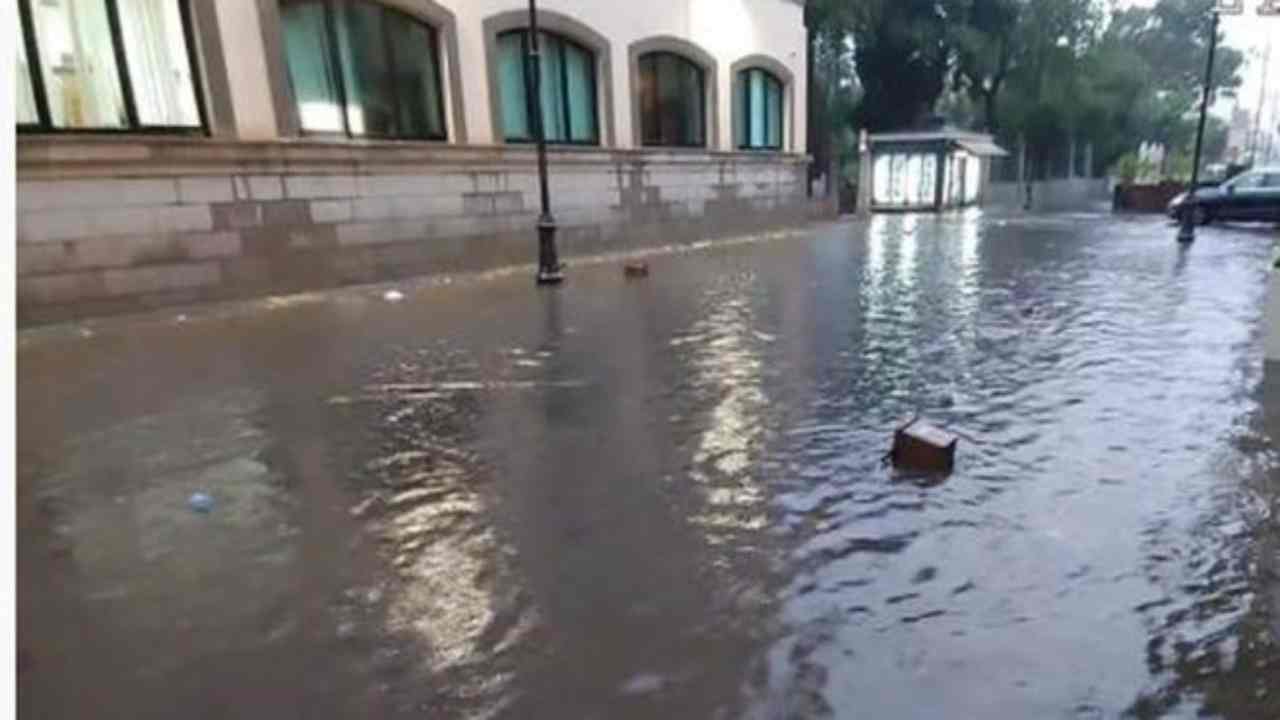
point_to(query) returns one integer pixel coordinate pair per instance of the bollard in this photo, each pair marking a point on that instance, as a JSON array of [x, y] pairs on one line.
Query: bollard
[[918, 445]]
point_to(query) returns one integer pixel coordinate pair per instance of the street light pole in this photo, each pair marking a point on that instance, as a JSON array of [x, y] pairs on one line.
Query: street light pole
[[549, 269], [1187, 230]]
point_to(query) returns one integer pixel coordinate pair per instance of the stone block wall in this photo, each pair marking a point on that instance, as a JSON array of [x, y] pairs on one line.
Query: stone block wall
[[1065, 195], [111, 225]]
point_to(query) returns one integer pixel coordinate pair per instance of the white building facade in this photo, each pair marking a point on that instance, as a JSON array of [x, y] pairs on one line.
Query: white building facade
[[176, 150]]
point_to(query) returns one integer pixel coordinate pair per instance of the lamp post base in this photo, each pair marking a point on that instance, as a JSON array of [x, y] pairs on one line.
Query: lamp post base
[[550, 276], [1186, 229], [550, 271]]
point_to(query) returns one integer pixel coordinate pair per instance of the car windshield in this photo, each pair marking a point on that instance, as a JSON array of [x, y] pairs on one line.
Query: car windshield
[[1246, 181]]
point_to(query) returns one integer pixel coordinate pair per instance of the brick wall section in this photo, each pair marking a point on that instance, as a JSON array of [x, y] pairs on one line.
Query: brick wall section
[[123, 224]]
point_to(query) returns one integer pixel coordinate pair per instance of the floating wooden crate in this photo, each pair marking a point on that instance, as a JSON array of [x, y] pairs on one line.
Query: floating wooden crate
[[918, 445]]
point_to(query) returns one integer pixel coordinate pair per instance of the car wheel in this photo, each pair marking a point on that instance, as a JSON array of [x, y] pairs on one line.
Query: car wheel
[[1200, 215]]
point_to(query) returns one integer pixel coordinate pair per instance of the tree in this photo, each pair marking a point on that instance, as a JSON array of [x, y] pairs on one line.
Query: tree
[[985, 43], [1172, 41], [834, 88], [1173, 37], [1047, 81], [902, 54], [1051, 72]]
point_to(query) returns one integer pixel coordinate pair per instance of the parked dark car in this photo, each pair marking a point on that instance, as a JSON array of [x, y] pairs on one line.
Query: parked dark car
[[1252, 195]]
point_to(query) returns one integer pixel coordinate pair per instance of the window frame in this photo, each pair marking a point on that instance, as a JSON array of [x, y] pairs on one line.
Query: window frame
[[744, 80], [35, 67], [564, 78], [340, 82], [702, 100]]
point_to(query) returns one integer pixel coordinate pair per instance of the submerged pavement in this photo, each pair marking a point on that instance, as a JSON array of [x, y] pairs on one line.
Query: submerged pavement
[[665, 497]]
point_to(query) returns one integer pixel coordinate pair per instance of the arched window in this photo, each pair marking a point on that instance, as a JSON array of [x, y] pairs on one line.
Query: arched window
[[364, 70], [672, 101], [568, 89], [105, 65], [759, 121]]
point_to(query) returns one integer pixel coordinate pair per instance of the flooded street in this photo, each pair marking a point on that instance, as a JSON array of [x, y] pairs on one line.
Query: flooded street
[[665, 497]]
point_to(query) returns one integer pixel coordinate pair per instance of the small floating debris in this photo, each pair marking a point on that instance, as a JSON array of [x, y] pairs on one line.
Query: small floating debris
[[200, 502], [364, 505], [473, 385], [643, 684], [393, 296], [636, 269], [920, 446]]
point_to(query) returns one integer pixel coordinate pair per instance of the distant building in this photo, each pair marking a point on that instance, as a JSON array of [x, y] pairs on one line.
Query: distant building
[[189, 149], [1239, 133], [929, 170]]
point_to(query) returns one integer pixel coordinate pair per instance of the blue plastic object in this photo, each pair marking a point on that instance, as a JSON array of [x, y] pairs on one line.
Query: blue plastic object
[[201, 502]]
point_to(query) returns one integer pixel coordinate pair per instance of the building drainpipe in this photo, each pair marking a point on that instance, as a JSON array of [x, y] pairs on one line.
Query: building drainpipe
[[865, 178], [808, 98]]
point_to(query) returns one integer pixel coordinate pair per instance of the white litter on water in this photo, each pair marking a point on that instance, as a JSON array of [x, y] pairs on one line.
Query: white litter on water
[[393, 296], [181, 318], [642, 684], [466, 385]]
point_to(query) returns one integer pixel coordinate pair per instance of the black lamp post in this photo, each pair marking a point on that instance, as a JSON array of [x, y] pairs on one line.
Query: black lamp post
[[549, 269], [1187, 228]]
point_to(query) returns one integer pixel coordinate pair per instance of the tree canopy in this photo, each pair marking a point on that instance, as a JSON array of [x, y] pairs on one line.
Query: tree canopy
[[1041, 71]]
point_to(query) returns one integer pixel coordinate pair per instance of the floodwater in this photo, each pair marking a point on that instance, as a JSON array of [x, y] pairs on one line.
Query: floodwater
[[665, 497]]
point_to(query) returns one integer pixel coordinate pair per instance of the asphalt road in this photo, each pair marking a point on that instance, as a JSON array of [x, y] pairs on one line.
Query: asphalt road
[[664, 497]]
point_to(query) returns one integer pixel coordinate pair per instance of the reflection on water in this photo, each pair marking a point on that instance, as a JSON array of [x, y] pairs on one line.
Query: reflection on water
[[454, 589], [666, 498], [728, 365]]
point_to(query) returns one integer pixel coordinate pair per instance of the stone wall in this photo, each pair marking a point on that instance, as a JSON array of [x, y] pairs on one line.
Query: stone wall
[[1065, 195], [120, 224], [1145, 198]]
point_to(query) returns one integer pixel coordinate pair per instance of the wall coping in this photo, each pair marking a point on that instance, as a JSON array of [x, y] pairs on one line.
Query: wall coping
[[62, 156]]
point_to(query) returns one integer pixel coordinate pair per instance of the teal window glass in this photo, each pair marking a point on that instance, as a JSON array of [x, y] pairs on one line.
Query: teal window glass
[[760, 112], [364, 53], [672, 101], [512, 90], [567, 89], [757, 109], [417, 79], [554, 117], [312, 68], [580, 71], [773, 101], [363, 69]]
